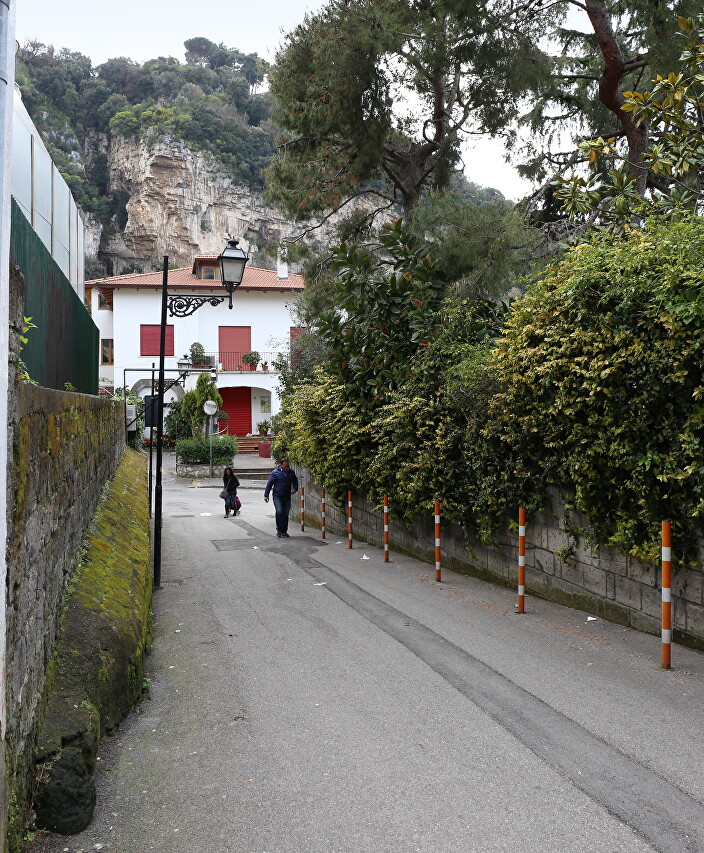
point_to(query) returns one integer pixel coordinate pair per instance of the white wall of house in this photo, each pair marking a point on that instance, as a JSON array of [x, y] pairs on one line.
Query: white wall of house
[[102, 317], [267, 313]]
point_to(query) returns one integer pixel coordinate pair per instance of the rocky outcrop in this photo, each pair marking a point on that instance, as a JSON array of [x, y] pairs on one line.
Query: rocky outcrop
[[179, 203]]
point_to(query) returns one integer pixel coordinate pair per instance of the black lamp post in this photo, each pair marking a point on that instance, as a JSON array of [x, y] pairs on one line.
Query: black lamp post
[[232, 263]]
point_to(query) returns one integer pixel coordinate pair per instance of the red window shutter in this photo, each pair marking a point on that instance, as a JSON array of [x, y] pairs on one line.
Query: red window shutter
[[149, 340]]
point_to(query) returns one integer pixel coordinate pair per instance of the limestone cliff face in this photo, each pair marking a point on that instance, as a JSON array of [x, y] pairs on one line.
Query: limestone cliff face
[[179, 203]]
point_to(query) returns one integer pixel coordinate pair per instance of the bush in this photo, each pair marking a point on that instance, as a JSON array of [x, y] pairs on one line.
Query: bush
[[601, 367], [197, 450]]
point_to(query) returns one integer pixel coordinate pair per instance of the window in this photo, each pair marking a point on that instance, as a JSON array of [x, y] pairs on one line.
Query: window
[[149, 340], [208, 273], [106, 351], [103, 304]]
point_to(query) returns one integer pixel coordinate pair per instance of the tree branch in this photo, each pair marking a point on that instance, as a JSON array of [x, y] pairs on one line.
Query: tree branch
[[371, 215]]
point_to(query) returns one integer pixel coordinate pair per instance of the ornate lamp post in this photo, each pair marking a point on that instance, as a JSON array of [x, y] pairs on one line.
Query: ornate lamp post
[[232, 263]]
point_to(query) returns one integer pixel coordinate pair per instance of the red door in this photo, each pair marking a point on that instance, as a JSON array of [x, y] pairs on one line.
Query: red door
[[237, 402], [233, 342]]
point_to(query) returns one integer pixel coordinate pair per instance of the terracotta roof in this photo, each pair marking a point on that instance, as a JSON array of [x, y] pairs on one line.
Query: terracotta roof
[[199, 260], [254, 279]]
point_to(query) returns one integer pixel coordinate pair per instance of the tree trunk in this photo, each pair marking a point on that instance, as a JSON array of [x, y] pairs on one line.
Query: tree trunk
[[610, 94]]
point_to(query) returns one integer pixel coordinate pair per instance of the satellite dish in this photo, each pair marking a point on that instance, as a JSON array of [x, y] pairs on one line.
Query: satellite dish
[[210, 407]]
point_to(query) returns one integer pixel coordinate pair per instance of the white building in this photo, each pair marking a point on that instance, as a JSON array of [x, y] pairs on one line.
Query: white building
[[127, 311]]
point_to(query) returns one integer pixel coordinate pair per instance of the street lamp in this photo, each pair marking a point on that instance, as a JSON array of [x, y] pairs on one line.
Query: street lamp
[[184, 363], [232, 263]]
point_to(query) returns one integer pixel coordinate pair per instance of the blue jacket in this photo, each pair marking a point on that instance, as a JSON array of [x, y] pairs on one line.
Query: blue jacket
[[281, 482]]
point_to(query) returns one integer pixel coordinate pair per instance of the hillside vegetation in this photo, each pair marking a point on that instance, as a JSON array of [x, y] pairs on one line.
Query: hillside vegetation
[[211, 102]]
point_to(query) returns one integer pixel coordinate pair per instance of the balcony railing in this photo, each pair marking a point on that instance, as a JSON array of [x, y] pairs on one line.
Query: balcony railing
[[240, 361]]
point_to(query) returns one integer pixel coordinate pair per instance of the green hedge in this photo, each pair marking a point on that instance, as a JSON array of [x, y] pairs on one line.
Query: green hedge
[[595, 387], [197, 450]]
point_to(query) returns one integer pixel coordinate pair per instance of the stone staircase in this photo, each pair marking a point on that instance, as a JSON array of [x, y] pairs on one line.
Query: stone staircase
[[248, 444]]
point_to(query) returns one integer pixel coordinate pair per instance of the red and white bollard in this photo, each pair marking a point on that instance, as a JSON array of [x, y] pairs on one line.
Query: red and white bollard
[[521, 560], [349, 518], [322, 513], [438, 576], [386, 528], [666, 594], [303, 508]]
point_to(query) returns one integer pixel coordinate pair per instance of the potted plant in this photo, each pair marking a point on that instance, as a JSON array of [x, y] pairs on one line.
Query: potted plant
[[264, 426], [265, 366], [251, 359], [198, 356]]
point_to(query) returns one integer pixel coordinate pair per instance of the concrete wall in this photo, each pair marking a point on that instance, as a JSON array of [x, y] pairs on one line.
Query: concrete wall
[[64, 448], [600, 581]]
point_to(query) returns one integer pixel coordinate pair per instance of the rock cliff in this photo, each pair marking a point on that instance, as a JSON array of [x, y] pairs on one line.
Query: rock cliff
[[178, 202]]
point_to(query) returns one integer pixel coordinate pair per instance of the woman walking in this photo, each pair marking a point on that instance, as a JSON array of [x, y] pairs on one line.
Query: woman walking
[[230, 484]]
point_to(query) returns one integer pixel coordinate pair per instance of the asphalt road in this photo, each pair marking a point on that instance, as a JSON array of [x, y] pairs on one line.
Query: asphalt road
[[306, 700]]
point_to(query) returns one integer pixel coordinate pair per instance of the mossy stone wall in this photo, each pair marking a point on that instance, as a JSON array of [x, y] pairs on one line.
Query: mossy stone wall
[[64, 448], [97, 670]]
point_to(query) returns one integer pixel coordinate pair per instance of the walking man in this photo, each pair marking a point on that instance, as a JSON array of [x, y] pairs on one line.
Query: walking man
[[282, 483]]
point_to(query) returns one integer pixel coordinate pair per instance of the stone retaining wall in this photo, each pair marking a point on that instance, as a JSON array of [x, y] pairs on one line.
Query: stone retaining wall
[[599, 581], [199, 472], [65, 447]]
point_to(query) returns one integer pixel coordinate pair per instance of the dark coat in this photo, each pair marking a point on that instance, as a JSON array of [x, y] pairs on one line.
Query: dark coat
[[230, 482], [281, 482]]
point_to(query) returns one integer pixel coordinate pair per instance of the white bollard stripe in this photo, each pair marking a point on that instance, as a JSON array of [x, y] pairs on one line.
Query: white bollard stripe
[[666, 555], [666, 636], [386, 528], [437, 564], [521, 561], [521, 530], [437, 543], [666, 593], [437, 519], [521, 589]]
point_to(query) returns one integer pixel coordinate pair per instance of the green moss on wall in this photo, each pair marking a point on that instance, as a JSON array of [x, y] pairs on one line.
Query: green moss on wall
[[98, 664]]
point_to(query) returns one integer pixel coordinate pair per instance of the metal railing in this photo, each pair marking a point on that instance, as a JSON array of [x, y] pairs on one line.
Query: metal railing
[[240, 361]]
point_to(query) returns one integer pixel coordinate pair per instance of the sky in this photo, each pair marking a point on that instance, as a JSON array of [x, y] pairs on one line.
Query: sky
[[145, 29]]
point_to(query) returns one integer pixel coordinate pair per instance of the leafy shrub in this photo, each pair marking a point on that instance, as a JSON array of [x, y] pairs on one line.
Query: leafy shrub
[[595, 387], [197, 450], [603, 390]]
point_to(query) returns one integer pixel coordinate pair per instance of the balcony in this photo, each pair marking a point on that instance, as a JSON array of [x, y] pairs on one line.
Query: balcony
[[238, 362]]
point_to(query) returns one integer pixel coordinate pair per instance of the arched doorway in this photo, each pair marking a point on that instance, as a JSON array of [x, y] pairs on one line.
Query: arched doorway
[[237, 402]]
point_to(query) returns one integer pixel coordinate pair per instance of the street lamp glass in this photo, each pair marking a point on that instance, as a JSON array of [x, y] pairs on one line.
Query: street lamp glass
[[184, 363], [232, 263]]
